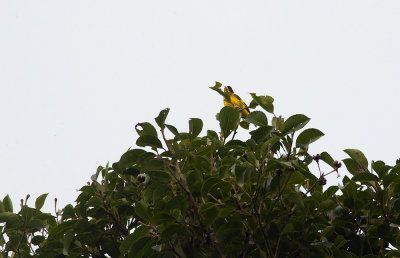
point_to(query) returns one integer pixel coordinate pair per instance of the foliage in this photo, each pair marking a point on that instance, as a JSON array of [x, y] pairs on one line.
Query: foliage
[[202, 195]]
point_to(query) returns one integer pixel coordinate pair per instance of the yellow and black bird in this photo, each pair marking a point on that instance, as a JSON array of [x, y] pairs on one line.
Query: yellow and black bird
[[235, 101]]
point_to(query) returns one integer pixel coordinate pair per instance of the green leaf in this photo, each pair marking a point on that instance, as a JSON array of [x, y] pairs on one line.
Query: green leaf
[[229, 118], [161, 191], [308, 136], [149, 140], [195, 126], [8, 217], [209, 212], [68, 212], [212, 136], [40, 201], [159, 176], [208, 184], [380, 168], [36, 240], [327, 158], [7, 203], [328, 231], [388, 179], [327, 205], [395, 169], [294, 123], [160, 119], [217, 88], [62, 228], [330, 191], [351, 166], [147, 129], [263, 101], [173, 130], [358, 157], [140, 246], [173, 230], [244, 125], [261, 133], [35, 225], [67, 240], [236, 143], [141, 210], [296, 199], [340, 241], [95, 201], [365, 177], [130, 158], [257, 118], [128, 241]]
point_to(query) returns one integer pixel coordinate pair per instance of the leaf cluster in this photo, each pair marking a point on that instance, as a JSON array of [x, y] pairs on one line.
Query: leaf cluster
[[206, 194]]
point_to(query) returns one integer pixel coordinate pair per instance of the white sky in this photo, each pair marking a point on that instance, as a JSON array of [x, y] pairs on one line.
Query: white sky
[[76, 76]]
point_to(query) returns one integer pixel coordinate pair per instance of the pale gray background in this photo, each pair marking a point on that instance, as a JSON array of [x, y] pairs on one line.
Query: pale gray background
[[76, 76]]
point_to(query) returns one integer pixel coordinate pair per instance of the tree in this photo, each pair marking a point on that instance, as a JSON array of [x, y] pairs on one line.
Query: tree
[[193, 195]]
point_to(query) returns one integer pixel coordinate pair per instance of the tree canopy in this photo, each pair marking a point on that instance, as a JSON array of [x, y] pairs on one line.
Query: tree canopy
[[203, 193]]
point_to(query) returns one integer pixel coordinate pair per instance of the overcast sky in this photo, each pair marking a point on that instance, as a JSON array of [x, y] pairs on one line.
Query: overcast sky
[[76, 76]]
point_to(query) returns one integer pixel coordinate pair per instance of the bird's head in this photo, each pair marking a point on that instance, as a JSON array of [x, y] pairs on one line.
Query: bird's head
[[228, 89]]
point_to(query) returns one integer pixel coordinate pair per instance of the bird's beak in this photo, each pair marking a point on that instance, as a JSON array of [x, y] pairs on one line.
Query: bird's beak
[[226, 88]]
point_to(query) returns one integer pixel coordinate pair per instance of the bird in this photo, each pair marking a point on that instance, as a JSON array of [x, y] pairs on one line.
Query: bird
[[235, 101]]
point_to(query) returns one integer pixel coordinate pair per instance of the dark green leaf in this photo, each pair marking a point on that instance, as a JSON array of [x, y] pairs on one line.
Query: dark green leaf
[[340, 241], [351, 166], [7, 203], [37, 240], [159, 176], [173, 130], [328, 231], [141, 210], [388, 179], [395, 169], [68, 212], [195, 126], [308, 136], [294, 123], [327, 205], [95, 201], [172, 231], [149, 140], [229, 118], [358, 157], [128, 241], [147, 129], [217, 88], [380, 168], [130, 158], [266, 102], [330, 191], [244, 124], [8, 217], [257, 118], [62, 228], [208, 184], [40, 201], [209, 212], [327, 158], [35, 225], [160, 119], [365, 177], [140, 246], [261, 133]]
